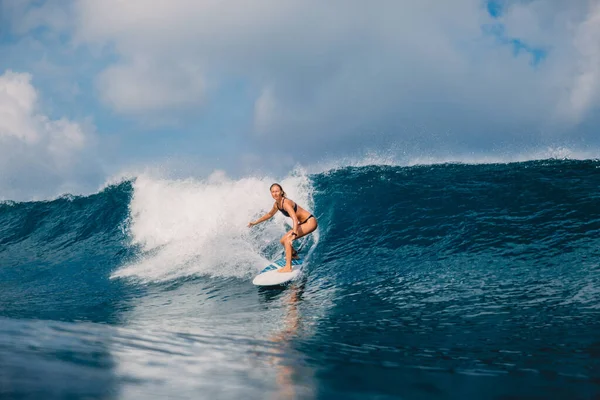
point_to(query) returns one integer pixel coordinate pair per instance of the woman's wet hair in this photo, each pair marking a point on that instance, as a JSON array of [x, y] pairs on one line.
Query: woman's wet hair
[[280, 188]]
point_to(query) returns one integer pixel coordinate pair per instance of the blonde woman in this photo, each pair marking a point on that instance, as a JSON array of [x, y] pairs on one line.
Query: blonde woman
[[303, 222]]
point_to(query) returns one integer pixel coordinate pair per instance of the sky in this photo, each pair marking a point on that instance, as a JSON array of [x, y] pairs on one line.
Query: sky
[[91, 90]]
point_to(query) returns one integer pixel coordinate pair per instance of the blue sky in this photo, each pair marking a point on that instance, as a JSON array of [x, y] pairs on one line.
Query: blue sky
[[103, 87]]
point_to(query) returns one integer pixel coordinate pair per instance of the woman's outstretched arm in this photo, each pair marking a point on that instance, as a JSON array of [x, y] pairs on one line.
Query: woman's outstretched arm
[[265, 217]]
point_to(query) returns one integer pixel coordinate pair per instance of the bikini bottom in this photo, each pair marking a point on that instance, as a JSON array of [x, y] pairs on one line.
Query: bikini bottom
[[306, 220]]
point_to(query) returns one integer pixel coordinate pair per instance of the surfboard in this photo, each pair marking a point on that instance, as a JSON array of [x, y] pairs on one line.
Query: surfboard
[[270, 276]]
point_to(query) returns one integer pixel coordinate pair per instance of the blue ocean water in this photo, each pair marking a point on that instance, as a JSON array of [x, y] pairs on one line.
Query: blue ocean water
[[444, 281]]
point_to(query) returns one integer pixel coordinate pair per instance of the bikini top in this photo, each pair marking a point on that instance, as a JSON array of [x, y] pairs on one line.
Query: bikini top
[[285, 212]]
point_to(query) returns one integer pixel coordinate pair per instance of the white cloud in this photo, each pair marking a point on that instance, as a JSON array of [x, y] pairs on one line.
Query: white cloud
[[325, 66], [142, 86], [17, 99], [38, 155], [586, 83], [303, 54], [331, 71], [570, 32]]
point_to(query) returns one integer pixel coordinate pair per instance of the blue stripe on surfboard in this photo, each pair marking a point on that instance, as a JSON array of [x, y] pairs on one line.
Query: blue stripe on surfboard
[[280, 263]]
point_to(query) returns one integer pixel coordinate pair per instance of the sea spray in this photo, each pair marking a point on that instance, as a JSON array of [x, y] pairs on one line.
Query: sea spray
[[199, 227]]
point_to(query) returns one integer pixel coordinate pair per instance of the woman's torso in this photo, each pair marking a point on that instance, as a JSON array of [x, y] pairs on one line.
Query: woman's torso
[[301, 213]]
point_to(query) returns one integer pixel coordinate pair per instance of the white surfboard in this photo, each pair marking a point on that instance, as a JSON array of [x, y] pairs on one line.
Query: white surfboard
[[270, 276]]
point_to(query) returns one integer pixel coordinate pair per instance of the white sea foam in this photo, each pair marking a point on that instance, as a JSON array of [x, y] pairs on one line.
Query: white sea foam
[[399, 158], [556, 153], [190, 227]]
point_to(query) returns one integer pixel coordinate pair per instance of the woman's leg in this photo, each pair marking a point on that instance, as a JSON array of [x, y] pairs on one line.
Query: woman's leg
[[294, 252], [287, 239]]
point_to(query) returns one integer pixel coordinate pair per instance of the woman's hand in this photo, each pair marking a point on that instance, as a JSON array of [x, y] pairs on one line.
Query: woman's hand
[[250, 224]]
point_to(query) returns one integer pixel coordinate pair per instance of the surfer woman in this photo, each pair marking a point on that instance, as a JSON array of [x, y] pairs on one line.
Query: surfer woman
[[290, 209]]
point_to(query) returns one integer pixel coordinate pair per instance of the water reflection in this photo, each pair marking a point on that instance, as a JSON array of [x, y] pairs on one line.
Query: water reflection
[[292, 376], [214, 336]]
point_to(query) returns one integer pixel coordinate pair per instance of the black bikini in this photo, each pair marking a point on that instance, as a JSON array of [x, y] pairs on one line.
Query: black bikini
[[295, 209], [306, 220], [285, 212]]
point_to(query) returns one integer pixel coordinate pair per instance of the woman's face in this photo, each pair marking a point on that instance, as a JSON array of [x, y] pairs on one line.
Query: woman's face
[[276, 192]]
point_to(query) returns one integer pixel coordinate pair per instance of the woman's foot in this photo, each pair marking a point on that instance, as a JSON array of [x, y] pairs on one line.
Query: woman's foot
[[285, 269]]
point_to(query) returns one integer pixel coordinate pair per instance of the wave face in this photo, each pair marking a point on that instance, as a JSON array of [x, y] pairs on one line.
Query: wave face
[[444, 281], [55, 256]]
